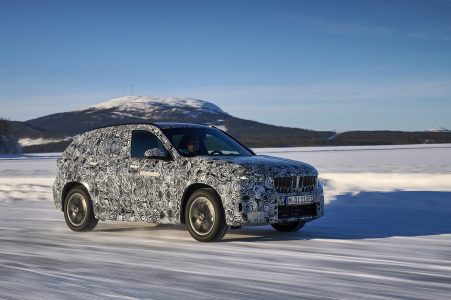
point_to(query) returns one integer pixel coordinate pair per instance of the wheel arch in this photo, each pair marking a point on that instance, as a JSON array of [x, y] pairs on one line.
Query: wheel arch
[[70, 185], [189, 191]]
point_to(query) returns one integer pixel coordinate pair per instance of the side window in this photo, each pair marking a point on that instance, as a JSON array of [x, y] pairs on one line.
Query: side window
[[143, 140]]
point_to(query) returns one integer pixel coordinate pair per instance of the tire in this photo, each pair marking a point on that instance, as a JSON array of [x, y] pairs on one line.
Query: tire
[[289, 226], [78, 211], [204, 216]]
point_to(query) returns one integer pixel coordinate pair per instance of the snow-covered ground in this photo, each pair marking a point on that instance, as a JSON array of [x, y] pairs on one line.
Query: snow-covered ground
[[39, 141], [386, 234]]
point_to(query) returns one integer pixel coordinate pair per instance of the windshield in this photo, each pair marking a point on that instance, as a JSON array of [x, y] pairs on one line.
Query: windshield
[[204, 141]]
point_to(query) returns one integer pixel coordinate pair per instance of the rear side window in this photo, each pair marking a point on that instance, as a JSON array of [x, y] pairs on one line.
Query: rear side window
[[143, 140]]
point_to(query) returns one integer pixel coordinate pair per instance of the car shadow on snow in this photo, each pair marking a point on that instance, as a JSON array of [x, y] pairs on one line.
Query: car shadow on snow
[[368, 215], [137, 227]]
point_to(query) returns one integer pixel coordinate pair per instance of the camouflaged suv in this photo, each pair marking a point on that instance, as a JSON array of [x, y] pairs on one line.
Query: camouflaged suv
[[176, 173]]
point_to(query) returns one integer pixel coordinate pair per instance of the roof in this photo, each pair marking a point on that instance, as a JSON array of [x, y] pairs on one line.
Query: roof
[[161, 125], [166, 125]]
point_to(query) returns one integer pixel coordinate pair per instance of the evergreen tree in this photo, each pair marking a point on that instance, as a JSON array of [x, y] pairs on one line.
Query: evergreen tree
[[9, 141]]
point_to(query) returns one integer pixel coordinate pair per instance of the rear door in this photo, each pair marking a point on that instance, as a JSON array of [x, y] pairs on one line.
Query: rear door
[[110, 165]]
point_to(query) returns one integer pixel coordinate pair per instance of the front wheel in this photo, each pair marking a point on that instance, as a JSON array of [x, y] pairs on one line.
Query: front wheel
[[78, 211], [288, 226], [204, 216]]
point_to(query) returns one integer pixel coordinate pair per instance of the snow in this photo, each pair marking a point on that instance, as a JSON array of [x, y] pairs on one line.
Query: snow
[[386, 234], [132, 105], [375, 159], [222, 127], [438, 129], [39, 141]]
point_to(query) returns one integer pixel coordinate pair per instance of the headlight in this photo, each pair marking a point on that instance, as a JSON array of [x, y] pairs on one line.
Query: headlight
[[253, 177]]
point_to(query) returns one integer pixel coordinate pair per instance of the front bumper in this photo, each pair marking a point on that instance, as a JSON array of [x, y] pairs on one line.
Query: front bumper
[[269, 207]]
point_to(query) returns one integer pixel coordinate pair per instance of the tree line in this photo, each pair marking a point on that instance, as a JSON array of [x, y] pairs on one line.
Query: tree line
[[9, 140]]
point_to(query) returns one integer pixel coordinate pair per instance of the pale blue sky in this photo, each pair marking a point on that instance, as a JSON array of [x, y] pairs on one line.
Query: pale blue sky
[[312, 64]]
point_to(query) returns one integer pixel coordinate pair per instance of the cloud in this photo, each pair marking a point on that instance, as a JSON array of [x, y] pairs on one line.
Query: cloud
[[23, 106], [439, 34], [328, 26], [405, 105], [339, 93]]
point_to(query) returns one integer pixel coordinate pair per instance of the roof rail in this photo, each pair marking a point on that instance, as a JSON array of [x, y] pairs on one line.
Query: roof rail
[[125, 123]]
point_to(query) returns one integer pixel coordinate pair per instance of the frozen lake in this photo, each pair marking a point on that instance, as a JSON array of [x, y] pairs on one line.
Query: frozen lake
[[386, 234]]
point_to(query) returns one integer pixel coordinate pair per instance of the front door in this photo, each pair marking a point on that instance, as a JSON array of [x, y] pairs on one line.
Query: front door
[[147, 182]]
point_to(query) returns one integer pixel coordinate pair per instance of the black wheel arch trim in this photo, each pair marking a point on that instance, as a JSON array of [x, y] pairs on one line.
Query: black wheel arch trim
[[189, 190], [68, 187]]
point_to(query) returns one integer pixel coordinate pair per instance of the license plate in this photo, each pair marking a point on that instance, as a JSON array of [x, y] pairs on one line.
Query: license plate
[[297, 200]]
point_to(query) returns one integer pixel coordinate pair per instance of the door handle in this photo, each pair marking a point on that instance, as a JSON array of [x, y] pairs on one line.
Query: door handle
[[134, 167]]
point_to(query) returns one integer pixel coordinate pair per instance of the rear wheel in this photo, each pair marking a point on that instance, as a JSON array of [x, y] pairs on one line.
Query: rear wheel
[[288, 226], [204, 216], [78, 211]]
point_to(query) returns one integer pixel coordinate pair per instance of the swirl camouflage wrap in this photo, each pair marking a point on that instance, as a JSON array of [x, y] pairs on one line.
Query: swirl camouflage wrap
[[253, 189]]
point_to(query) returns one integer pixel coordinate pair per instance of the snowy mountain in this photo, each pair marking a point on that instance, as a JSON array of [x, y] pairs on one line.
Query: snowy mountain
[[130, 109], [152, 107]]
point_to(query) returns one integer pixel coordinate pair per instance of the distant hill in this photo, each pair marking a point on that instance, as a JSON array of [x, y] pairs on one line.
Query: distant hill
[[389, 138], [50, 133]]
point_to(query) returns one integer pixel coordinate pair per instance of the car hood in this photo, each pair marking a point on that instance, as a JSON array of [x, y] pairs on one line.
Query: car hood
[[268, 164]]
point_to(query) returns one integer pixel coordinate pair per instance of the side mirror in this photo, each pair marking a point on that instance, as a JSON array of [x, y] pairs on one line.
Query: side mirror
[[155, 153]]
